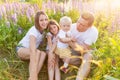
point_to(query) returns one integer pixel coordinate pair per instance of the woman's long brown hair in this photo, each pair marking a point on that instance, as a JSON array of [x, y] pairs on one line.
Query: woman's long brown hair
[[37, 25]]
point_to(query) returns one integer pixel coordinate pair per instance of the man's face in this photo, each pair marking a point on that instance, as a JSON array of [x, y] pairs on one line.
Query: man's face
[[82, 25]]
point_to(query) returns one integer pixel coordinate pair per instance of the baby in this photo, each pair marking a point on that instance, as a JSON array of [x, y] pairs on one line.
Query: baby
[[64, 36]]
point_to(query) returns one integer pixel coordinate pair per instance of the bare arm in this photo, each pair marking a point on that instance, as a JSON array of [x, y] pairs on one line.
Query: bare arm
[[32, 45], [49, 41], [54, 45], [51, 56], [65, 40], [51, 45], [33, 62], [82, 48]]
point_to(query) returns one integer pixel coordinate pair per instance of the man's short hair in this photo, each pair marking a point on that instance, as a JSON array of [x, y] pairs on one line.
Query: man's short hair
[[89, 17]]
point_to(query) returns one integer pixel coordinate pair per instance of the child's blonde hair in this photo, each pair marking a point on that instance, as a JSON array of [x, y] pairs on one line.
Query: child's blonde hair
[[65, 19]]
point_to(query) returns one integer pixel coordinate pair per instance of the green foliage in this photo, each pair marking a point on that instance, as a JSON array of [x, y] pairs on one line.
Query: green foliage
[[23, 22], [52, 15], [13, 69], [107, 50], [74, 14], [38, 2], [9, 37]]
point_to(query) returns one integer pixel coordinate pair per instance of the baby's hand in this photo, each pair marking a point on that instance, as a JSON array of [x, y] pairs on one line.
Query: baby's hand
[[73, 39], [67, 35]]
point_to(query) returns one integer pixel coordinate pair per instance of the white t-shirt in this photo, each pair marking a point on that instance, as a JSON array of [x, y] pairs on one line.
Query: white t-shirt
[[32, 31], [62, 34], [88, 37]]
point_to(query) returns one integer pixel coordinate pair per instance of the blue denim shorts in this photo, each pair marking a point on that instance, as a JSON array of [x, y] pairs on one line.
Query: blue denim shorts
[[18, 47]]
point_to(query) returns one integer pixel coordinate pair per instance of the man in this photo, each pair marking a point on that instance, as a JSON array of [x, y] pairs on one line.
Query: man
[[85, 35]]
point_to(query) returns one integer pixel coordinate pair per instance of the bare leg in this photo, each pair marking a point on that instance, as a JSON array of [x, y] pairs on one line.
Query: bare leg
[[51, 73], [41, 60], [85, 67], [57, 70], [36, 64], [51, 66], [33, 68], [67, 60], [24, 53]]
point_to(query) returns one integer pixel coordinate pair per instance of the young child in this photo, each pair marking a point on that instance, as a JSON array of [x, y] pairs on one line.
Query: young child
[[64, 36], [53, 66]]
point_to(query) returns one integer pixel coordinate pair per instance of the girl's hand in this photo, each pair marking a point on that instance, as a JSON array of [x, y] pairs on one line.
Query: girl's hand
[[51, 60]]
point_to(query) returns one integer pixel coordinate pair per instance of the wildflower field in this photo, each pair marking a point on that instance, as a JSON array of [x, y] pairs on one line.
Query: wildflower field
[[17, 16]]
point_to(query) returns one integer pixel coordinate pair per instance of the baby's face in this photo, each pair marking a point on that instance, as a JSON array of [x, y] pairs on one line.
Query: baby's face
[[65, 26]]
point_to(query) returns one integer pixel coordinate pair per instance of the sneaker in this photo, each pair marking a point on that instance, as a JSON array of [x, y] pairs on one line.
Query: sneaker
[[65, 70]]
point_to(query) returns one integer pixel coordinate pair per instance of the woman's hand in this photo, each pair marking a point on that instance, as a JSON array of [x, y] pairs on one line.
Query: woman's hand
[[51, 60]]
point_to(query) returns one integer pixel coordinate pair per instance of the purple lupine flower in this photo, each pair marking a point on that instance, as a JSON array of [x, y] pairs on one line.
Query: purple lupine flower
[[23, 10], [43, 6], [30, 12], [14, 7], [7, 7], [17, 8], [35, 6], [10, 7], [20, 30], [3, 10], [14, 18], [61, 8], [49, 5], [80, 4], [28, 15]]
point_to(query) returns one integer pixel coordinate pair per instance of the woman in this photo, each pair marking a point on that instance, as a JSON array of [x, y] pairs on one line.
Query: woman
[[27, 47]]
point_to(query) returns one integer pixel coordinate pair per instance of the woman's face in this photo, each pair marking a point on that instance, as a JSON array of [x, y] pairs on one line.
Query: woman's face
[[53, 29], [43, 21]]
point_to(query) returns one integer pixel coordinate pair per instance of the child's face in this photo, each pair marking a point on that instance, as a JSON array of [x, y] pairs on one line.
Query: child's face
[[65, 26], [54, 29]]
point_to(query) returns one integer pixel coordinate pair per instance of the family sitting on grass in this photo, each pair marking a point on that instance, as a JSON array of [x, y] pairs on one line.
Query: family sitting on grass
[[64, 40]]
